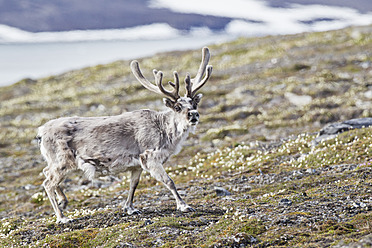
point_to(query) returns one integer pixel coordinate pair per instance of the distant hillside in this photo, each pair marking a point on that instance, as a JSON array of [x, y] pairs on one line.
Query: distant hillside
[[45, 15], [363, 6]]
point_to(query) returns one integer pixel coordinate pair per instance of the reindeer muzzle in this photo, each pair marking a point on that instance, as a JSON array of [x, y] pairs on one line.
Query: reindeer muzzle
[[193, 117]]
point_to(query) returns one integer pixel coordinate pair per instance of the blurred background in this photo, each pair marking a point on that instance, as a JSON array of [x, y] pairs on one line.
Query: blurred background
[[41, 38]]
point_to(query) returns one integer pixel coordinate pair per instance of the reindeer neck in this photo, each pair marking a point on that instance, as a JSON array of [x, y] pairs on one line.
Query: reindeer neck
[[176, 128], [174, 124]]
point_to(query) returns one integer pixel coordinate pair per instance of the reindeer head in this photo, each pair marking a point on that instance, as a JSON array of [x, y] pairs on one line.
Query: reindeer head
[[185, 107]]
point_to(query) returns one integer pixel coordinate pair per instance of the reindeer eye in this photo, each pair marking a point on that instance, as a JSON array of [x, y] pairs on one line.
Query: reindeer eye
[[177, 108]]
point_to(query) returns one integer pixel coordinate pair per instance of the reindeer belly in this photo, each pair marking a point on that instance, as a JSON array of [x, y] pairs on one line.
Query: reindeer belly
[[102, 165]]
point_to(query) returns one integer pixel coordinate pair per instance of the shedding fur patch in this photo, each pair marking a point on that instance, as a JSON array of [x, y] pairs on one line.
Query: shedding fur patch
[[88, 169]]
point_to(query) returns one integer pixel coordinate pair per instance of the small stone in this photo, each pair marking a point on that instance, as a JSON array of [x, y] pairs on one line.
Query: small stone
[[147, 222], [30, 186], [311, 171], [359, 205], [297, 173], [368, 94], [182, 193], [298, 100], [221, 191], [285, 202]]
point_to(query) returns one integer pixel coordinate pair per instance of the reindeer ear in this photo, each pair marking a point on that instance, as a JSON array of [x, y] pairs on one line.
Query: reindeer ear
[[169, 103], [196, 99]]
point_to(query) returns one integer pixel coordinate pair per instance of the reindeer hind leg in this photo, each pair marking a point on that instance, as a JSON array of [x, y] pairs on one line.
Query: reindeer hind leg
[[62, 199], [134, 180], [51, 186]]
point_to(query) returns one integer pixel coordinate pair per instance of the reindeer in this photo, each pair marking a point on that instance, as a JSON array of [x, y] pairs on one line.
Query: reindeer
[[133, 141]]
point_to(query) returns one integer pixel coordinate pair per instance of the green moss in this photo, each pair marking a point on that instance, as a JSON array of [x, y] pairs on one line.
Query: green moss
[[253, 227], [81, 238]]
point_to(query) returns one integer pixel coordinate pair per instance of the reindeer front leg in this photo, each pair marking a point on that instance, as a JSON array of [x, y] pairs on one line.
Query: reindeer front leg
[[151, 162]]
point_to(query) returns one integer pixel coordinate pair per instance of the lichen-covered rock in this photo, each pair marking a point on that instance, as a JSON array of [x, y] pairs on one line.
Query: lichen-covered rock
[[332, 130]]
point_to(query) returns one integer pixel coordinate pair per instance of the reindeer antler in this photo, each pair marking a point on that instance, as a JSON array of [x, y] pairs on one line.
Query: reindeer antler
[[193, 85], [174, 95]]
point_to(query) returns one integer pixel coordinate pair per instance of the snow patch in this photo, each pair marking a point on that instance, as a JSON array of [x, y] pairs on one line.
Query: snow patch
[[156, 31], [255, 17]]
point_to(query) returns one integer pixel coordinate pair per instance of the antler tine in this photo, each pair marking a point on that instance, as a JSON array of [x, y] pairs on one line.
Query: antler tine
[[176, 86], [172, 94], [134, 65], [197, 82], [208, 74], [188, 85]]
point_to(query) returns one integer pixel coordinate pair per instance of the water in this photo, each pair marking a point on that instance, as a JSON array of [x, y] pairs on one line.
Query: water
[[36, 60]]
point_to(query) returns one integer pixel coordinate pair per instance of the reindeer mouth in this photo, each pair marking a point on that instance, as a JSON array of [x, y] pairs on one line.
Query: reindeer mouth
[[193, 122]]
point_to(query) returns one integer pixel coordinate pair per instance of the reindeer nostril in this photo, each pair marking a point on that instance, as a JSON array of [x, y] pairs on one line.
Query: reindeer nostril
[[193, 115]]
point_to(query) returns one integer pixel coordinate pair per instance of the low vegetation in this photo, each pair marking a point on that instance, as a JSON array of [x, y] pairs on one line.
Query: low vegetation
[[250, 170]]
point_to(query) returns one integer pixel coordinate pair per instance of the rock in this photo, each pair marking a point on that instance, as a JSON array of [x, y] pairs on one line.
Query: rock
[[364, 242], [297, 173], [368, 94], [285, 202], [29, 187], [332, 130], [311, 171], [346, 126], [221, 191], [147, 222], [359, 205], [182, 192], [298, 100]]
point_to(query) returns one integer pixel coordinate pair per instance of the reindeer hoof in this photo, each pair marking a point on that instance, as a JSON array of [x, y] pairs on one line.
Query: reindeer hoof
[[186, 209], [189, 209], [63, 220], [132, 211]]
